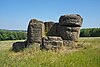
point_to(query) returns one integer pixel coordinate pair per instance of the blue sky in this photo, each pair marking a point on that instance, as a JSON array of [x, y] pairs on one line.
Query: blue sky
[[15, 14]]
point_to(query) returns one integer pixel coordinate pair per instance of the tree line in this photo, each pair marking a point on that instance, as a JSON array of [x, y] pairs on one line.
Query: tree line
[[90, 32], [20, 35], [12, 35]]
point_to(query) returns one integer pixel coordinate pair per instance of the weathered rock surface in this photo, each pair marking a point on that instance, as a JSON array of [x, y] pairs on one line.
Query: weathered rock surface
[[71, 20], [54, 30], [52, 43], [48, 25], [53, 38], [69, 29], [69, 33], [35, 31]]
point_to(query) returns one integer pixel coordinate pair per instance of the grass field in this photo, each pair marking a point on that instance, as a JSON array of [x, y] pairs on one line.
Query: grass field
[[87, 56]]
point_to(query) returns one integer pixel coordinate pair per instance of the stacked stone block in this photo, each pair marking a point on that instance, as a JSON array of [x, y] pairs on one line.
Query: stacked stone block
[[68, 29], [52, 43], [69, 26], [71, 20], [35, 31]]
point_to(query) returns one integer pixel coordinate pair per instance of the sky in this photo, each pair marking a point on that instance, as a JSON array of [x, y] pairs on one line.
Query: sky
[[16, 14]]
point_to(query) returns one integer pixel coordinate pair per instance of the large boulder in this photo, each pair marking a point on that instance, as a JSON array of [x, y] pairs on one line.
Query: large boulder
[[35, 31], [72, 20], [52, 43], [19, 46]]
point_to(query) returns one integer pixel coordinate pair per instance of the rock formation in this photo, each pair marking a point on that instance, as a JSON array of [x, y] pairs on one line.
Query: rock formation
[[69, 26], [65, 33], [68, 29]]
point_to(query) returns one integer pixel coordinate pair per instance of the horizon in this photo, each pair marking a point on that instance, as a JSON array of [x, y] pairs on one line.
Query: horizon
[[16, 14], [26, 29]]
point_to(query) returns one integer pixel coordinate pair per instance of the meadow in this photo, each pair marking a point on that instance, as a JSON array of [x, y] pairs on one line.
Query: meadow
[[88, 55]]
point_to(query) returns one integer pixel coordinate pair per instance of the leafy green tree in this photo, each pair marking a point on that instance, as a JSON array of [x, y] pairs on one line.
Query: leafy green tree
[[90, 32], [12, 35]]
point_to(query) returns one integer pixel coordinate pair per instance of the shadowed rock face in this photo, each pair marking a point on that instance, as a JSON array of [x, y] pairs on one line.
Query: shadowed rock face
[[51, 28], [19, 46], [54, 30], [71, 20], [48, 25], [35, 31]]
